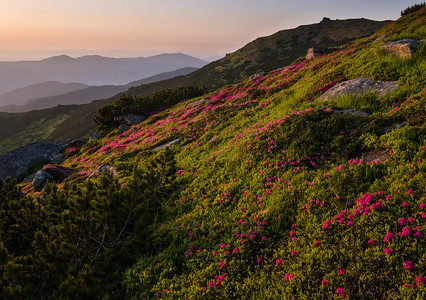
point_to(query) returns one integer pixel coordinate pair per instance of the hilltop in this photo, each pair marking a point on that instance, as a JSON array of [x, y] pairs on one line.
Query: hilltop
[[263, 54], [307, 181]]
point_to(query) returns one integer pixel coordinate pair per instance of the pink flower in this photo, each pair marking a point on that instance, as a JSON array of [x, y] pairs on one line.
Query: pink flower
[[317, 243], [406, 231], [350, 223], [410, 192], [157, 296], [278, 262], [388, 237], [341, 291], [410, 219], [259, 260], [288, 276], [222, 264], [418, 235], [263, 238], [293, 253], [377, 206], [408, 265], [235, 250], [326, 224], [292, 233], [405, 205], [371, 241], [342, 271], [324, 282], [402, 221], [387, 251], [422, 206]]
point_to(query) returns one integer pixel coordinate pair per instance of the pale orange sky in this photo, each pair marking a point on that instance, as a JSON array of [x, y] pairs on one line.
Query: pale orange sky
[[196, 27]]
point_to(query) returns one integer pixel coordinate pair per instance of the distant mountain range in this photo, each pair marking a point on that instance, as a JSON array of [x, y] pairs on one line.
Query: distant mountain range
[[262, 55], [90, 70], [55, 93]]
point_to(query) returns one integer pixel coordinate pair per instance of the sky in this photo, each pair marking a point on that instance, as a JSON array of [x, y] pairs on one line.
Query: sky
[[35, 29]]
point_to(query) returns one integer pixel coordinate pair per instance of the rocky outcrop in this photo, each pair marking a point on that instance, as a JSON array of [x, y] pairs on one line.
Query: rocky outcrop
[[403, 48], [41, 178], [18, 163], [131, 119], [359, 86], [353, 112], [177, 141], [102, 168], [123, 128], [315, 51], [390, 128]]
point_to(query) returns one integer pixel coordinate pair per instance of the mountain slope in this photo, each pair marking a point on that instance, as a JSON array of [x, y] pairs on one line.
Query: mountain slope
[[264, 191], [45, 89], [88, 94], [263, 54]]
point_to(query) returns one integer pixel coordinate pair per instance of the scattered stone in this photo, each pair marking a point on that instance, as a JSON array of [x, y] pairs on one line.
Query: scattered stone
[[41, 178], [123, 128], [393, 127], [118, 119], [94, 136], [353, 112], [102, 168], [381, 38], [75, 143], [29, 178], [132, 119], [18, 163], [166, 145], [360, 86], [315, 51], [375, 157], [197, 102], [403, 48]]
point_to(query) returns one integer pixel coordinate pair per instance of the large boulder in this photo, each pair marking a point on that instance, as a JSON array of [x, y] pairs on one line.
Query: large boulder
[[41, 178], [359, 86], [18, 163], [352, 112], [403, 48], [132, 119]]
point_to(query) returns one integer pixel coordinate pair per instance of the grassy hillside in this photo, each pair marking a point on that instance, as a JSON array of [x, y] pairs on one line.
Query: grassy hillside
[[269, 194], [263, 54]]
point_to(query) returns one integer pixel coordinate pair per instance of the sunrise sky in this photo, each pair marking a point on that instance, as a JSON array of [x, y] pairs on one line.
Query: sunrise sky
[[33, 29]]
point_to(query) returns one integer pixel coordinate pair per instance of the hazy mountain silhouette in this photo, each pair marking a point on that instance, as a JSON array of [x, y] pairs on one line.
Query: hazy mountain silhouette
[[90, 70], [46, 89], [86, 94]]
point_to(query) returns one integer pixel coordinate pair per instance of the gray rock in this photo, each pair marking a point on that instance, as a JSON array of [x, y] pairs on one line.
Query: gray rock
[[393, 127], [29, 178], [197, 102], [133, 119], [360, 86], [94, 136], [315, 51], [177, 141], [403, 48], [353, 112], [75, 143], [56, 159], [123, 128], [18, 163], [40, 180], [106, 168], [381, 38]]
